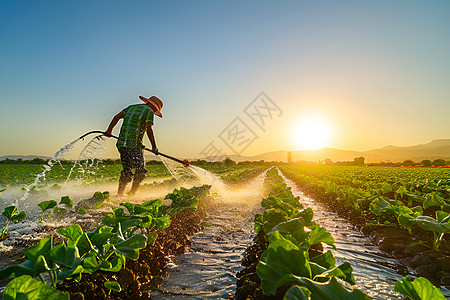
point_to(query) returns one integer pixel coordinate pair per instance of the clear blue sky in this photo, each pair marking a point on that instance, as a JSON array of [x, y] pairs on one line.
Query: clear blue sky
[[378, 72]]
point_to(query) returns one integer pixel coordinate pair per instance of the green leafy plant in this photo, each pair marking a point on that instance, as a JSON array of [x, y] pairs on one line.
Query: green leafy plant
[[25, 287], [13, 215], [112, 286], [439, 226], [45, 205], [66, 201], [419, 289]]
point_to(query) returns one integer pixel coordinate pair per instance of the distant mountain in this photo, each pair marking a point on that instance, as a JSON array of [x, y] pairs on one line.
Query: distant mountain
[[439, 148], [23, 157]]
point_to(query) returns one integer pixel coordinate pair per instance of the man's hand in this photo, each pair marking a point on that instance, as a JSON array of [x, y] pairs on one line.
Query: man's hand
[[108, 133], [155, 150]]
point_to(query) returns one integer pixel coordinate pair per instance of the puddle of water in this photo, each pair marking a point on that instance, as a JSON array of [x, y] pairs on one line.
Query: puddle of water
[[374, 272]]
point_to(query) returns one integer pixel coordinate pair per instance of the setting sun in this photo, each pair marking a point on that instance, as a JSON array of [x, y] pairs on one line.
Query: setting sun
[[312, 133]]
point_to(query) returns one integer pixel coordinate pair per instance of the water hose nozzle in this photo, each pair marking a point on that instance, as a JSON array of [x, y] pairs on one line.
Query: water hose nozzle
[[186, 163]]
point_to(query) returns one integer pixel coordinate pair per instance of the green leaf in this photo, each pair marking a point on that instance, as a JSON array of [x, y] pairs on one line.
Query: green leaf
[[272, 217], [11, 213], [330, 290], [130, 247], [113, 285], [25, 268], [71, 232], [84, 245], [419, 289], [325, 260], [282, 257], [161, 222], [44, 205], [430, 224], [129, 206], [41, 248], [101, 236], [319, 235], [433, 199], [65, 255], [296, 292], [25, 287], [19, 217], [67, 273], [66, 201]]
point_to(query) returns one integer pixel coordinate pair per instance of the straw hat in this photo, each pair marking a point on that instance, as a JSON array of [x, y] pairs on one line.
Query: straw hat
[[155, 103]]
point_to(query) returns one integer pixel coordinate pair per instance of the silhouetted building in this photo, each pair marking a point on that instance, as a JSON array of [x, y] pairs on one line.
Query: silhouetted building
[[289, 158]]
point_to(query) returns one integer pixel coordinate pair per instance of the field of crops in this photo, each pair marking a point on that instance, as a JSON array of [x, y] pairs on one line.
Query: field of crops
[[293, 256]]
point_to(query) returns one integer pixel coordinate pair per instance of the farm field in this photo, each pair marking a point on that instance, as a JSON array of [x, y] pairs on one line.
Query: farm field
[[405, 210], [223, 202]]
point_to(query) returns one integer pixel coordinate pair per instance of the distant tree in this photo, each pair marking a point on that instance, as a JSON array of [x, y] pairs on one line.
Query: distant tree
[[408, 162], [438, 162], [228, 162], [328, 161], [38, 161], [426, 162], [359, 161]]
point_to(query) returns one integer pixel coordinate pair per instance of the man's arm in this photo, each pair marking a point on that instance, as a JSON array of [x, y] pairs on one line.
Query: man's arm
[[151, 137], [113, 123]]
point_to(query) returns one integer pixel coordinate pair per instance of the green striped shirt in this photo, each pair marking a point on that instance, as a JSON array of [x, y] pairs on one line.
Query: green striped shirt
[[133, 126]]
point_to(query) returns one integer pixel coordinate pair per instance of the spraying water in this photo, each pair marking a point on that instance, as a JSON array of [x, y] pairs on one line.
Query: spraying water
[[52, 161], [89, 158]]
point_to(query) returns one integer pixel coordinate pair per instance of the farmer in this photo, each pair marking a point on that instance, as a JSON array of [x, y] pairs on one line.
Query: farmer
[[137, 119]]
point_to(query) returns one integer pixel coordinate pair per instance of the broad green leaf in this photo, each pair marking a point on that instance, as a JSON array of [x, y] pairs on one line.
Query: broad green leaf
[[419, 289], [325, 260], [433, 199], [155, 203], [66, 201], [330, 290], [65, 255], [130, 247], [113, 285], [162, 222], [41, 248], [44, 205], [296, 292], [71, 232], [19, 217], [442, 216], [25, 287], [129, 206], [272, 217], [67, 273], [101, 236], [282, 257], [430, 224], [25, 268], [320, 235], [10, 212], [84, 245]]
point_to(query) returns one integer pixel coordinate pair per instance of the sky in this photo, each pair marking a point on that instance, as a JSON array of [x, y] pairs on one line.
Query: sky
[[236, 77]]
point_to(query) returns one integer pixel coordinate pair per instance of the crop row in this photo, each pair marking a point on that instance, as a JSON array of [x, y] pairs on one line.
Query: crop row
[[407, 198], [107, 248], [291, 264]]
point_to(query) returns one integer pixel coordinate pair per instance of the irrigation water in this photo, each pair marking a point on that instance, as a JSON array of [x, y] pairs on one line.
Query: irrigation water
[[52, 161], [207, 270]]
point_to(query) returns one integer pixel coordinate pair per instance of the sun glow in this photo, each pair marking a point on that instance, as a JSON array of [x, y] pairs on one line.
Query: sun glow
[[312, 133]]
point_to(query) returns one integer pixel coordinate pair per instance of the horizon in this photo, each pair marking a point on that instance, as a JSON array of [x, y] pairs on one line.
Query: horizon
[[293, 75]]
